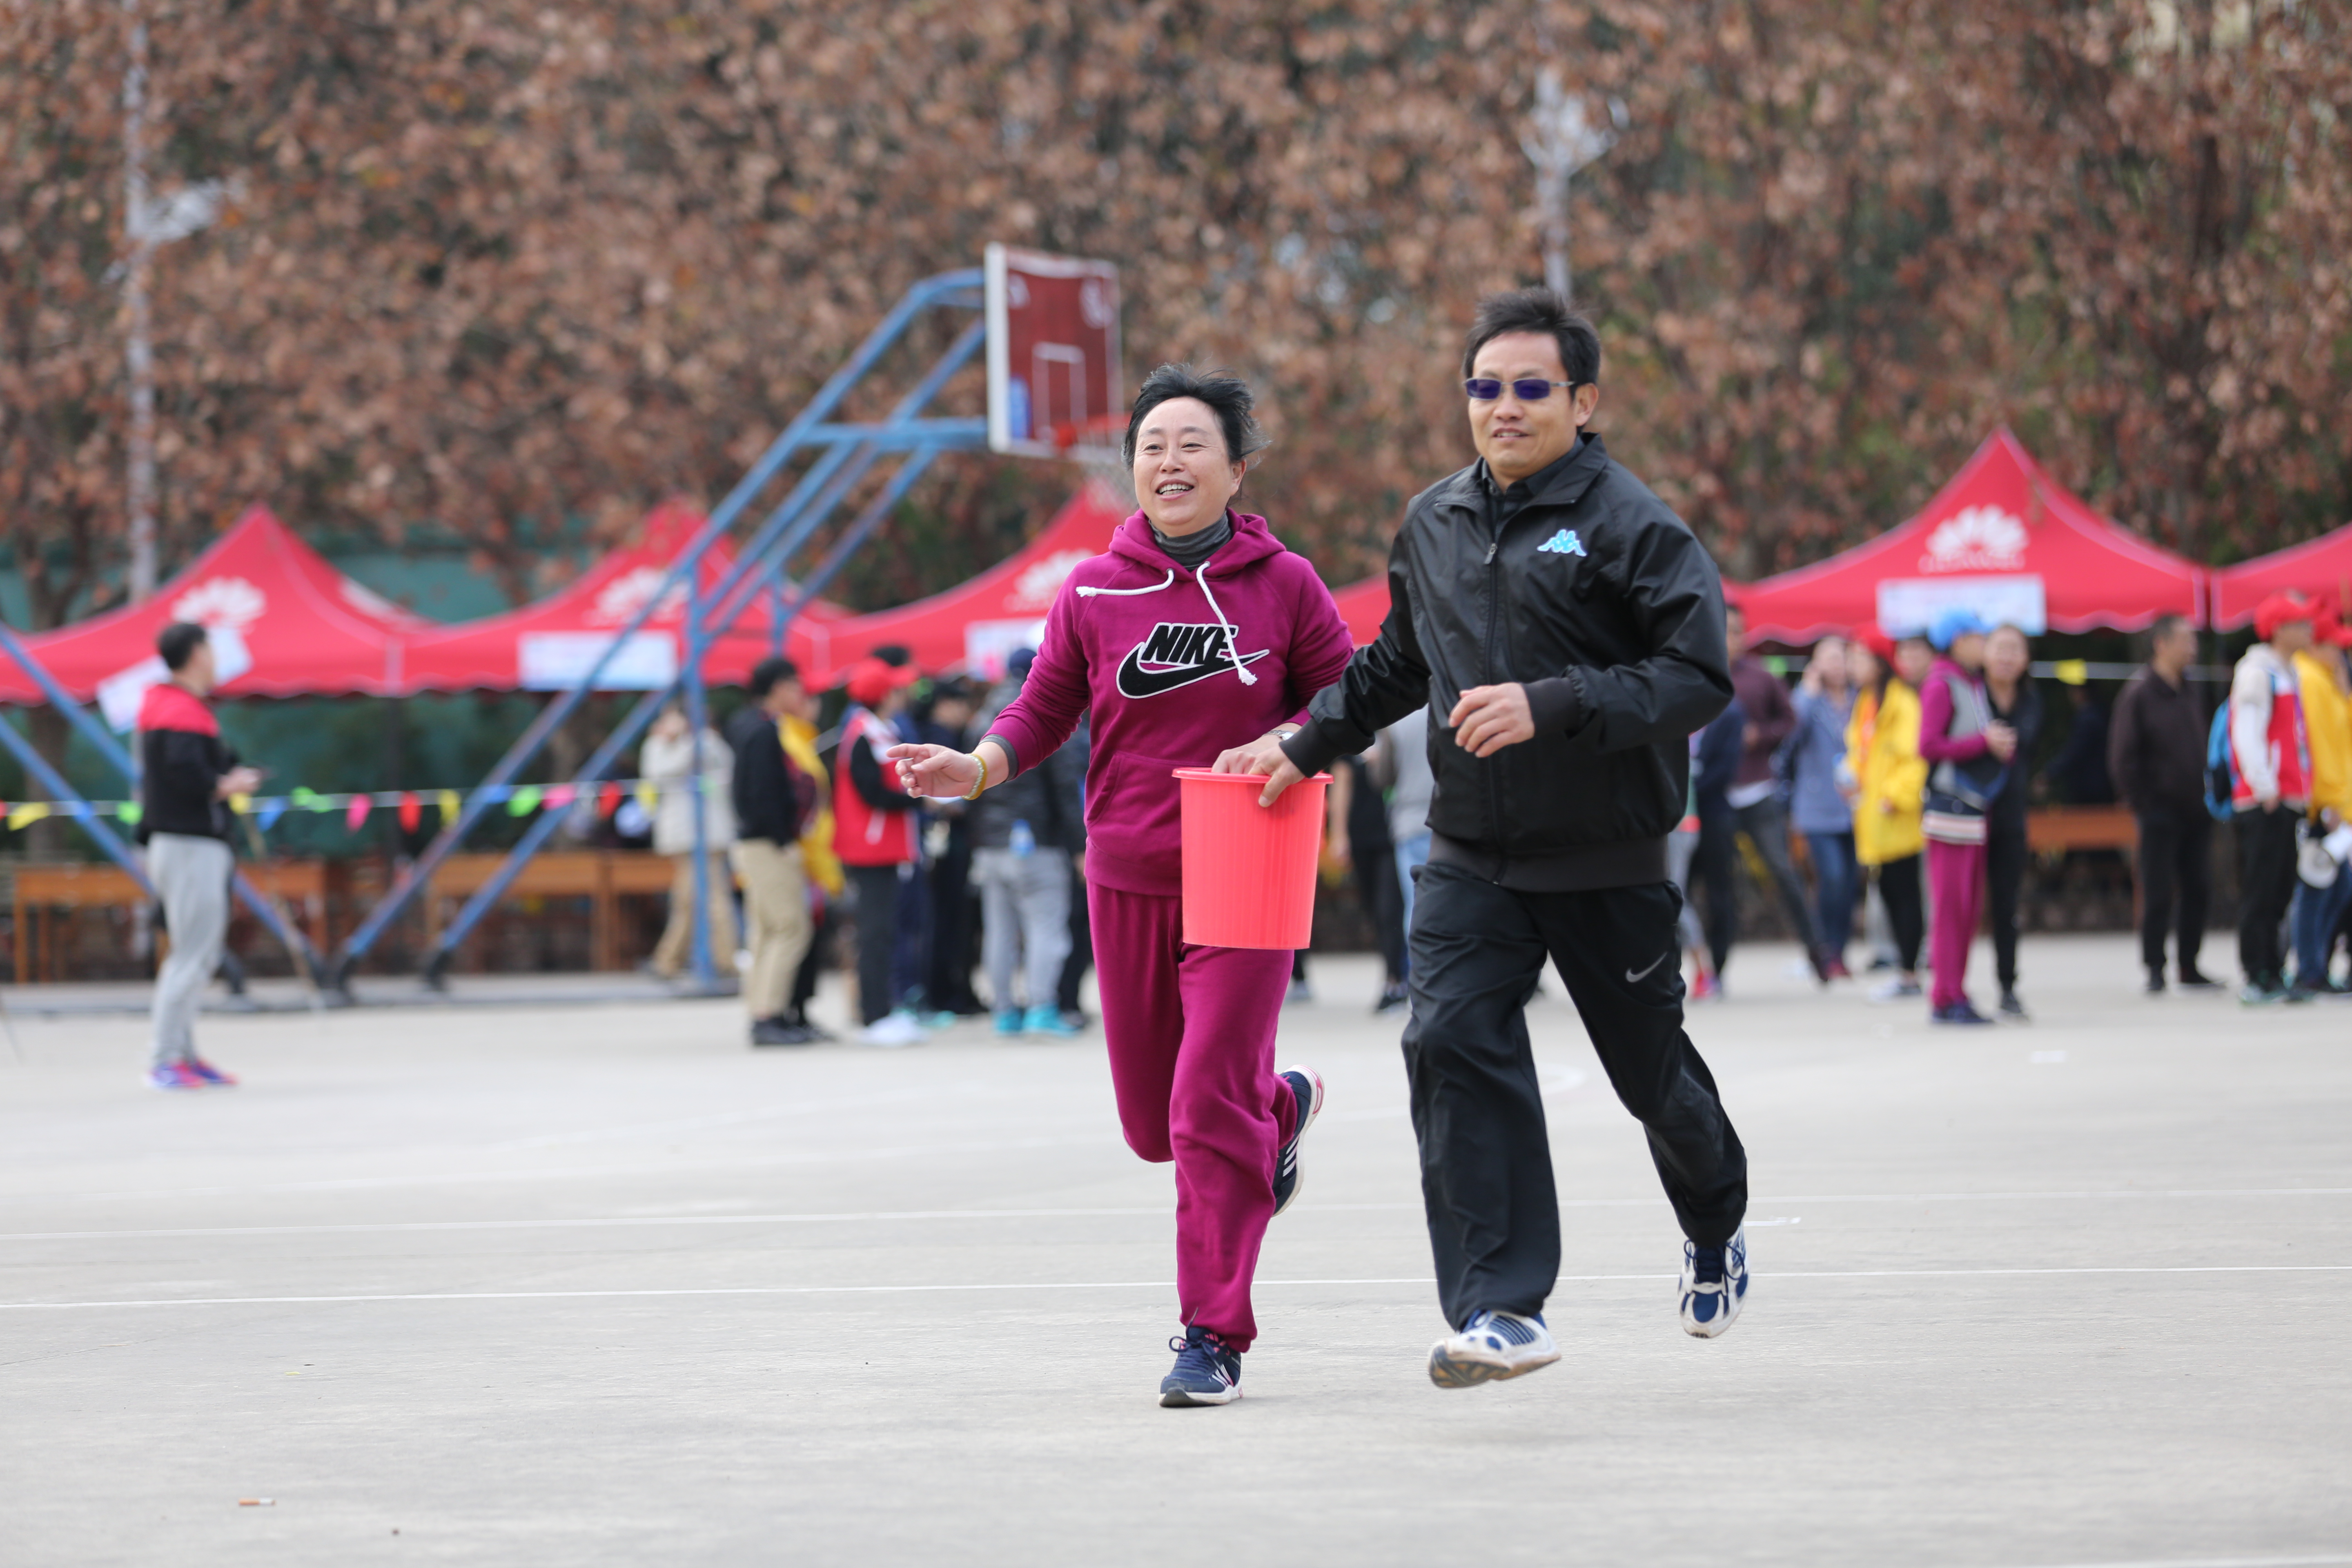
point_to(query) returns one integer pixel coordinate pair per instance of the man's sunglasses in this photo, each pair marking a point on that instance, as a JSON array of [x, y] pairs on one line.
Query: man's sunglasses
[[1486, 389]]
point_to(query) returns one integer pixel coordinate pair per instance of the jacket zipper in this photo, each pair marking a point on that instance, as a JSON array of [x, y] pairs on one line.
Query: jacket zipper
[[1493, 608]]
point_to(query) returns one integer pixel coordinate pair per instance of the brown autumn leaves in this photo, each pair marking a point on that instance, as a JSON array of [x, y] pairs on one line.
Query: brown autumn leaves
[[488, 264]]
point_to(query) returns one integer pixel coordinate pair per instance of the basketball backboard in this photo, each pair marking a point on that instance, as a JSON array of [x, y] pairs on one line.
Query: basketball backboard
[[1054, 383]]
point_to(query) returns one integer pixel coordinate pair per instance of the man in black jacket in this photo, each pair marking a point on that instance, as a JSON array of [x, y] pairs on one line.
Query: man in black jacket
[[772, 800], [2155, 755], [1566, 631], [186, 775]]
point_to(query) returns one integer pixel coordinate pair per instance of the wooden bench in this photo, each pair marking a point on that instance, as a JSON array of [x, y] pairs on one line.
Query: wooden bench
[[603, 876], [306, 887], [2055, 829]]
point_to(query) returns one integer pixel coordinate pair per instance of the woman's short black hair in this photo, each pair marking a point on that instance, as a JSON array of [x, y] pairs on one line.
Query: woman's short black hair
[[1228, 396], [1538, 310], [178, 642]]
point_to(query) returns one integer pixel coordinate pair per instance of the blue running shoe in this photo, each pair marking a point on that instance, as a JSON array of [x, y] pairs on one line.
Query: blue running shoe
[[174, 1076], [1715, 1285], [1963, 1011], [213, 1078], [1049, 1021], [1206, 1372], [1008, 1021], [1306, 1088], [1492, 1346]]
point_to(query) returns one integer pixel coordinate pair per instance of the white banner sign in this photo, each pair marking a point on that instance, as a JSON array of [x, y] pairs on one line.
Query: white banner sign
[[1909, 606], [986, 644], [554, 661]]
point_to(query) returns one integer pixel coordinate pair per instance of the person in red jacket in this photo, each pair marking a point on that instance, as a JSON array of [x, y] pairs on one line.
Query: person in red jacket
[[1194, 634], [874, 829]]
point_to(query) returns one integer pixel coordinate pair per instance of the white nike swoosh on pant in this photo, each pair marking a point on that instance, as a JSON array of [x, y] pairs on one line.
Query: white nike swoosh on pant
[[1634, 979]]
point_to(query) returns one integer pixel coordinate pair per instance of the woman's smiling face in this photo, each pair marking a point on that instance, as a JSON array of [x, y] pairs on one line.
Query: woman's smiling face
[[1183, 476]]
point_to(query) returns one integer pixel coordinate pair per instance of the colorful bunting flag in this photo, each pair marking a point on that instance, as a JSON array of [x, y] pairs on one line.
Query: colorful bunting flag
[[608, 799], [271, 810], [411, 812], [31, 811], [355, 816], [449, 806], [558, 796], [129, 813], [524, 802], [309, 799]]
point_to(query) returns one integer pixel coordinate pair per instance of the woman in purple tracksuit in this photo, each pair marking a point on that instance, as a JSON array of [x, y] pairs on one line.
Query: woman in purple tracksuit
[[1194, 634]]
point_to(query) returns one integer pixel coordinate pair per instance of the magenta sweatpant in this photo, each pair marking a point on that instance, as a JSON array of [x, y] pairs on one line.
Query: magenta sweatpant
[[1956, 883], [1190, 1031]]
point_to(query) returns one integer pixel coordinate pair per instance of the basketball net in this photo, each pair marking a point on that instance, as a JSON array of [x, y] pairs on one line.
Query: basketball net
[[1093, 445]]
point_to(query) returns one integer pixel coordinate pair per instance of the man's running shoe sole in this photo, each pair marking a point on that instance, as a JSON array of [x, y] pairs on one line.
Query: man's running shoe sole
[[1450, 1371]]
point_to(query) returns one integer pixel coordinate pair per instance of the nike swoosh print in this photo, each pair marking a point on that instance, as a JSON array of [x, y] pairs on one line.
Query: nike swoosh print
[[1134, 680], [1634, 979]]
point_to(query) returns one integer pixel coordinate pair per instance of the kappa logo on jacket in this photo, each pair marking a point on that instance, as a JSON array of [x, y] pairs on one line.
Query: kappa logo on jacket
[[1564, 543], [1176, 654]]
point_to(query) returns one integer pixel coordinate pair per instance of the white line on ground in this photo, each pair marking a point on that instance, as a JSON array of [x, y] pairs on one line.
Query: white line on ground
[[621, 1221], [2324, 1561], [1114, 1285]]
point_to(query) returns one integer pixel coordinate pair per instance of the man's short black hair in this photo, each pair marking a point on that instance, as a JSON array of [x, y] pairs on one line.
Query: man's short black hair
[[1228, 398], [768, 672], [895, 655], [178, 642], [1538, 310], [2164, 626]]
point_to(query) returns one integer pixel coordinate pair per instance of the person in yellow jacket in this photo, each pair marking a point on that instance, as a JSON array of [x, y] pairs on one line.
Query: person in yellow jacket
[[1886, 781], [797, 730], [2326, 686]]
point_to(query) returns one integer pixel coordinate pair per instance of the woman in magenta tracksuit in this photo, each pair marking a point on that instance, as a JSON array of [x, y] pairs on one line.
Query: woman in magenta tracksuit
[[1194, 634]]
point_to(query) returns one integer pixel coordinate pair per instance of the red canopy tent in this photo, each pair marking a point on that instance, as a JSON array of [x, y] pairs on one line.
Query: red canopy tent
[[2003, 538], [284, 624], [1365, 606], [2320, 569], [548, 645], [976, 624]]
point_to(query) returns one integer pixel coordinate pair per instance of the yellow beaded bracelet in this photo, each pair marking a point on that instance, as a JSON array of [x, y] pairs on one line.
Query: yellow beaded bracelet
[[983, 776]]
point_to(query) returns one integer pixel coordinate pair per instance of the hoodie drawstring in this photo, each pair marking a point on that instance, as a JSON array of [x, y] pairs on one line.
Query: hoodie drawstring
[[1232, 637], [1087, 593]]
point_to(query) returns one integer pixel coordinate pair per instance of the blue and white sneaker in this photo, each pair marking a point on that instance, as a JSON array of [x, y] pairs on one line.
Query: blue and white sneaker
[[1715, 1285], [1306, 1088], [1206, 1372], [1492, 1346]]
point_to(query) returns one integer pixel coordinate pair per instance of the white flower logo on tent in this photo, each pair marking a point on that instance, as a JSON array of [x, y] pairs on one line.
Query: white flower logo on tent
[[1977, 539], [1035, 588], [626, 594], [216, 602]]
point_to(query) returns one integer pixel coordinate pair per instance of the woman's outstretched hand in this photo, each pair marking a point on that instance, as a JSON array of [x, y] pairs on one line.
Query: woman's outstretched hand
[[936, 773], [1262, 756]]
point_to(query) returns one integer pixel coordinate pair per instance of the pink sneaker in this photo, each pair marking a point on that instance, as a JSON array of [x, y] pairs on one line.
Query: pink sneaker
[[211, 1075], [174, 1076], [1706, 988]]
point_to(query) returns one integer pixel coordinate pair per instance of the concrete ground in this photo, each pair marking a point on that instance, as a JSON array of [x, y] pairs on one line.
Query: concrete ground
[[594, 1283]]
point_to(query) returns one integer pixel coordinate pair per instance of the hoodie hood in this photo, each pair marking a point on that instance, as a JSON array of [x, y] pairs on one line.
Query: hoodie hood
[[1252, 541]]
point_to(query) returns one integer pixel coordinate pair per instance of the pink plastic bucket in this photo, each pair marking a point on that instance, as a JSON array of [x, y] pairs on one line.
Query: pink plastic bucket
[[1249, 870]]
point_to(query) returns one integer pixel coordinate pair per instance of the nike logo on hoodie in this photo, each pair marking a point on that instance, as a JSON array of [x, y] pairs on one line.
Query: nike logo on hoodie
[[1176, 654]]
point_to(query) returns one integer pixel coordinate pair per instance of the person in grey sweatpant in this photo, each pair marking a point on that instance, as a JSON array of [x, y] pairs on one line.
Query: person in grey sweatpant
[[192, 878], [1025, 835], [187, 776]]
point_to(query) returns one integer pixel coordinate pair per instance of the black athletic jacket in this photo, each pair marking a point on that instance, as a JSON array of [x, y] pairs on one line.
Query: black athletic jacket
[[1584, 586]]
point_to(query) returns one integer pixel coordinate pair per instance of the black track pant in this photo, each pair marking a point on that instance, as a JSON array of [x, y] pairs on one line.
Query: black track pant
[[2005, 862], [1898, 889], [2265, 888], [2175, 852], [1486, 1157], [877, 933]]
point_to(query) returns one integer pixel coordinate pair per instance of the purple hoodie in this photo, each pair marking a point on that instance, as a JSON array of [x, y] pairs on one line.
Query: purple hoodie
[[1142, 644]]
